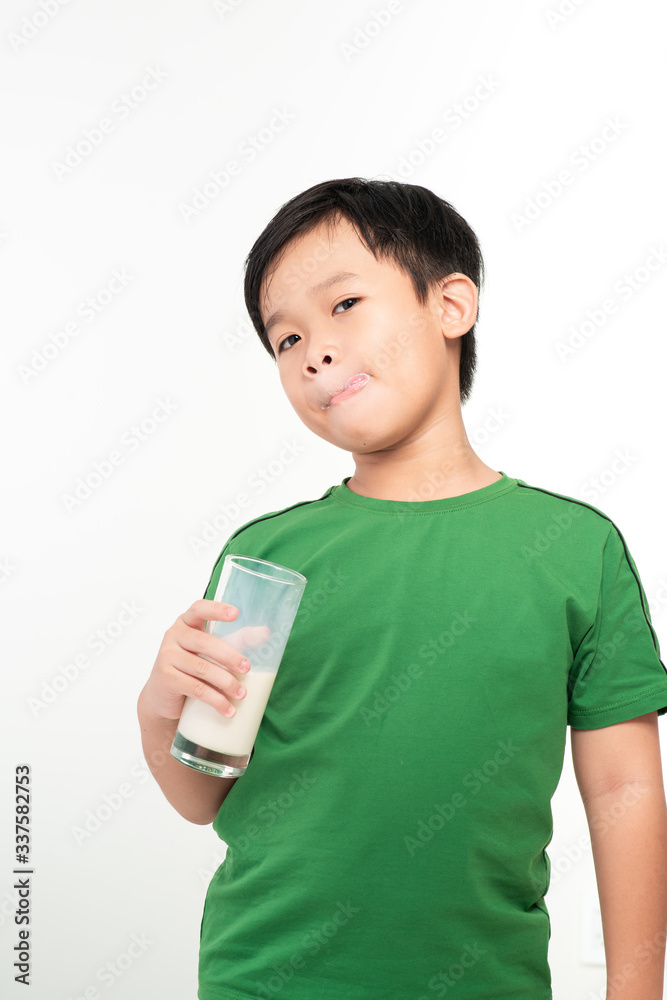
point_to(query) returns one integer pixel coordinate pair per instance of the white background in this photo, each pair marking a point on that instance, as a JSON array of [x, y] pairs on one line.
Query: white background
[[363, 101]]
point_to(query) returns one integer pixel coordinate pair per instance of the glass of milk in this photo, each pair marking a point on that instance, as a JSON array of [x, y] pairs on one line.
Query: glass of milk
[[267, 596]]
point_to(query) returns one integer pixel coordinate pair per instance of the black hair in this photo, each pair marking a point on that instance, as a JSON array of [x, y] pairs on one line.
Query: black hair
[[421, 233]]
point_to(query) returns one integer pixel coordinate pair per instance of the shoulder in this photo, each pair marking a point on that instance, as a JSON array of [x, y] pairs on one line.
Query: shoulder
[[564, 509], [561, 529], [279, 520]]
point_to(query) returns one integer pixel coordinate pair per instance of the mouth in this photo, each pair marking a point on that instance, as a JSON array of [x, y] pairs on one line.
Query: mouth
[[353, 385]]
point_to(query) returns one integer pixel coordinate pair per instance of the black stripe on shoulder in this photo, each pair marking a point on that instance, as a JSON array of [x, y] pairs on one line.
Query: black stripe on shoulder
[[264, 517], [277, 513], [561, 496]]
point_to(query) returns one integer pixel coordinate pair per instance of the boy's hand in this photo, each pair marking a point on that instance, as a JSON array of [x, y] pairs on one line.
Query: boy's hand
[[192, 662]]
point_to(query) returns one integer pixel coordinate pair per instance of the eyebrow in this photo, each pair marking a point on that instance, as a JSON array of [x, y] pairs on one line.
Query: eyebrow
[[333, 279]]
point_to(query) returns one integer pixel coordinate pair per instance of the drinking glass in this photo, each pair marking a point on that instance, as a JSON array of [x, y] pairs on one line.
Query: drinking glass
[[267, 596]]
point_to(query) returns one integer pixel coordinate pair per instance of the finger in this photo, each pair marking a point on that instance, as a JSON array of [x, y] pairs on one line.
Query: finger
[[203, 611], [209, 682], [228, 652]]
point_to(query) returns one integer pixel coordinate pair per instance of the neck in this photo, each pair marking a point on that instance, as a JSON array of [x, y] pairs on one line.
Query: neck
[[440, 463]]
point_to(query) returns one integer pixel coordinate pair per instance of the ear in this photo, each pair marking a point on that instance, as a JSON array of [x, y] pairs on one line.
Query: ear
[[455, 302]]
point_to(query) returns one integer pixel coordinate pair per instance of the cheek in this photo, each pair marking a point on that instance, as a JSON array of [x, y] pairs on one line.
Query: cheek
[[293, 395], [401, 350], [307, 411], [401, 370]]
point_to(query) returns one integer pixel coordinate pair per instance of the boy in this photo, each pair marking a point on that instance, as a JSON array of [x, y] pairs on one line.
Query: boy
[[388, 839]]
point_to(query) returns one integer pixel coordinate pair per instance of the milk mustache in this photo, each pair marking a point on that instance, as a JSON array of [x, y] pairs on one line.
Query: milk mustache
[[203, 725]]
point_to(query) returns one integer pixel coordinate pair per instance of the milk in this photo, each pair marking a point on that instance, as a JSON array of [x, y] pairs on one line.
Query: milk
[[202, 724]]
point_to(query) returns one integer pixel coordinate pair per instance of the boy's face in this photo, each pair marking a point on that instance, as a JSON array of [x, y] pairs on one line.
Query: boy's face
[[321, 339]]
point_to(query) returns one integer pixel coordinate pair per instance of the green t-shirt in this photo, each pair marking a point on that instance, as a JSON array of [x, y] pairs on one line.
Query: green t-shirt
[[388, 839]]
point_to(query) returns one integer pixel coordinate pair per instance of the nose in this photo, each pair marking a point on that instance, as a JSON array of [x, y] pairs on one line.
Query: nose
[[319, 358]]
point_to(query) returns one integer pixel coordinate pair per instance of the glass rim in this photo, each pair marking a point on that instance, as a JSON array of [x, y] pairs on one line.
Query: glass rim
[[297, 578]]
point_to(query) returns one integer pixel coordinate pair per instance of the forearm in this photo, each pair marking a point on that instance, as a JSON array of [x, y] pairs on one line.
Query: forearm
[[196, 796], [629, 843]]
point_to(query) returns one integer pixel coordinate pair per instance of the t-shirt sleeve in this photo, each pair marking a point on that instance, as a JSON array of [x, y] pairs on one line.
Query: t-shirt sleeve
[[617, 673]]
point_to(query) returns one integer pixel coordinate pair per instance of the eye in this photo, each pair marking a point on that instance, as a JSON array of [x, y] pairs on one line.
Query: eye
[[288, 337], [343, 303]]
